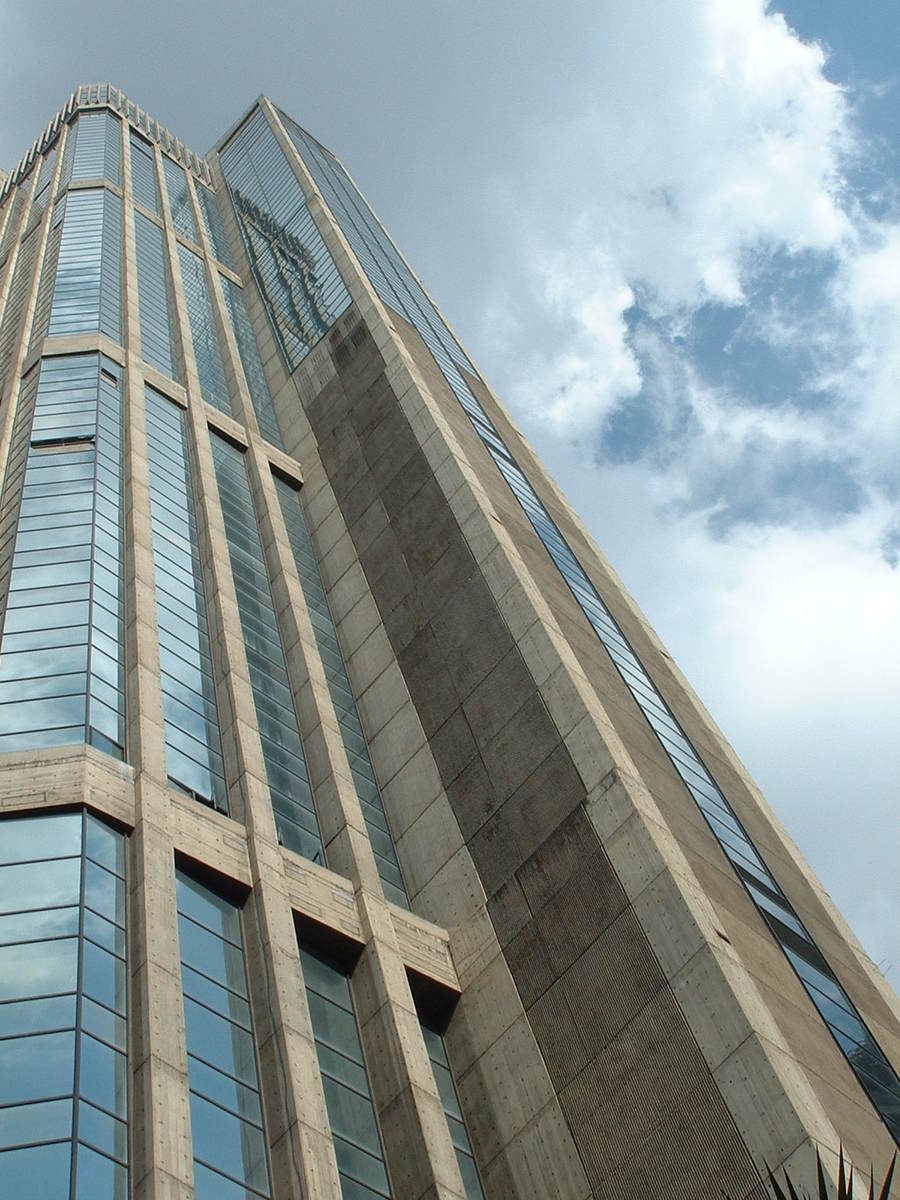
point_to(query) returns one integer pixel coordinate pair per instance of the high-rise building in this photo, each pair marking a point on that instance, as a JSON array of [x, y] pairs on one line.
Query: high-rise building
[[358, 838]]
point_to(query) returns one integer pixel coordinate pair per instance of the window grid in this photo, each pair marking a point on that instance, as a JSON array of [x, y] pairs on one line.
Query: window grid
[[87, 295], [214, 225], [23, 272], [380, 259], [288, 778], [348, 1100], [62, 650], [341, 694], [204, 335], [63, 1008], [260, 395], [157, 347], [193, 744], [459, 1135], [180, 200], [143, 173], [96, 149], [229, 1141]]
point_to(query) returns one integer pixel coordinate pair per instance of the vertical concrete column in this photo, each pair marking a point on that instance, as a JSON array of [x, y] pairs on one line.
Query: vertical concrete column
[[163, 1158], [301, 1151]]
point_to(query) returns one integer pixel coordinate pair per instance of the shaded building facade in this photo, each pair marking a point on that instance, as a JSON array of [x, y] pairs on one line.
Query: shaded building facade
[[358, 837]]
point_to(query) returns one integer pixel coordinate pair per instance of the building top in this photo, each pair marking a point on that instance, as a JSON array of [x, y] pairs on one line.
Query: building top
[[104, 95]]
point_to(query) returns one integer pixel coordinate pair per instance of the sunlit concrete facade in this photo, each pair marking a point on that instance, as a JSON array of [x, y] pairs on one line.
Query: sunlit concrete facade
[[472, 782]]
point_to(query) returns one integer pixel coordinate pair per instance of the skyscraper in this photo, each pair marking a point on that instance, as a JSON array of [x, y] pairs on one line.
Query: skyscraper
[[357, 835]]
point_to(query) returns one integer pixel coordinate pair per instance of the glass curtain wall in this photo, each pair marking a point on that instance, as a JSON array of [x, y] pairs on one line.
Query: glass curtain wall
[[62, 652], [204, 335], [143, 173], [63, 1009], [248, 350], [341, 694], [193, 744], [88, 291], [157, 346], [230, 1161], [459, 1135], [351, 1114], [289, 787]]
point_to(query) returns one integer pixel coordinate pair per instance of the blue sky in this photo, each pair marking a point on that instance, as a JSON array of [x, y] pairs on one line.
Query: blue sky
[[670, 236]]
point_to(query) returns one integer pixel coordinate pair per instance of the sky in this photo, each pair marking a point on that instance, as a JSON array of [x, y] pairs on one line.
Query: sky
[[669, 234]]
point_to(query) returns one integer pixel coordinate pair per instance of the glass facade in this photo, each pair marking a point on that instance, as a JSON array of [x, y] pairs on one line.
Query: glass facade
[[94, 149], [63, 1009], [215, 226], [193, 745], [397, 287], [230, 1161], [459, 1135], [248, 350], [88, 291], [207, 350], [180, 200], [299, 282], [351, 1114], [61, 653], [157, 346], [341, 694], [22, 276], [288, 778], [143, 173]]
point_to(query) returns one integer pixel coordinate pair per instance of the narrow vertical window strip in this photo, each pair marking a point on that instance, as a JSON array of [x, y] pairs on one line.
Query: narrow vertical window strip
[[48, 275], [63, 1015], [204, 335], [228, 1134], [98, 148], [459, 1135], [260, 395], [351, 1113], [20, 285], [143, 173], [157, 347], [214, 225], [286, 771], [341, 694], [180, 200], [193, 743]]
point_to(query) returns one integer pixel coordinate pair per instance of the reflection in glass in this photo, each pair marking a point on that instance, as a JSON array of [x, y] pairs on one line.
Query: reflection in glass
[[45, 1053], [193, 745], [351, 1115], [288, 780], [61, 654], [226, 1118], [341, 694]]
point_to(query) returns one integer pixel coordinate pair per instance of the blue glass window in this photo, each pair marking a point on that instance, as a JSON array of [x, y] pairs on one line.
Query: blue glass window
[[88, 291], [251, 362], [301, 286], [351, 1114], [292, 802], [459, 1135], [341, 694], [23, 273], [94, 150], [143, 173], [180, 200], [215, 226], [204, 335], [193, 745], [63, 992], [61, 653], [230, 1157], [157, 347]]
